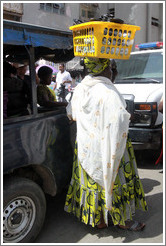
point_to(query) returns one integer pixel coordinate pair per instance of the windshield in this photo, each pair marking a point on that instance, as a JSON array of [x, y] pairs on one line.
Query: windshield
[[141, 68]]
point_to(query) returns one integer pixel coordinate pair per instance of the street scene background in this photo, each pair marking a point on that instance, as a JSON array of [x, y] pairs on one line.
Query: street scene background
[[59, 226]]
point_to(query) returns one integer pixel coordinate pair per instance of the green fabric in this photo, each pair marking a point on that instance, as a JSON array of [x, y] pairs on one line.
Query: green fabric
[[86, 199], [42, 91], [95, 66], [53, 93]]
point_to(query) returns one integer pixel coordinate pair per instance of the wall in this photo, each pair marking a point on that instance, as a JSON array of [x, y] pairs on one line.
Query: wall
[[47, 19], [155, 32], [140, 14], [133, 13], [13, 8]]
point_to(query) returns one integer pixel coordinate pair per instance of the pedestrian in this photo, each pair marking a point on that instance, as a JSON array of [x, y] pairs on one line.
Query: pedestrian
[[53, 83], [105, 178], [160, 109], [63, 78]]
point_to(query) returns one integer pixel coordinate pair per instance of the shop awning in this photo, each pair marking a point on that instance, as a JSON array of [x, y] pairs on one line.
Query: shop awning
[[50, 44]]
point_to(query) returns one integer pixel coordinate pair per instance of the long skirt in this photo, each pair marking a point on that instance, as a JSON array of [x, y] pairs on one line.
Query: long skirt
[[86, 199]]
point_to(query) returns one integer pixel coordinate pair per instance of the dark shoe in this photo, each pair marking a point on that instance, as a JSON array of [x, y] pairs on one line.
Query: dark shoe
[[132, 225]]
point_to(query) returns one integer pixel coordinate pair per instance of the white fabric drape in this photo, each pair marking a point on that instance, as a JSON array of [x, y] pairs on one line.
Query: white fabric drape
[[102, 128]]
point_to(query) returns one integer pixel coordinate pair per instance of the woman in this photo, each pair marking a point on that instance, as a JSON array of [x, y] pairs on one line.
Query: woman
[[160, 109], [45, 96], [105, 178]]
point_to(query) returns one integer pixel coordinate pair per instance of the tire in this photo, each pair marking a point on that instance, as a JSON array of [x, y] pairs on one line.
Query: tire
[[24, 210]]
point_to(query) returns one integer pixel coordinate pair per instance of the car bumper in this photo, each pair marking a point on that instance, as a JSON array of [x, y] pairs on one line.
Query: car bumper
[[145, 138]]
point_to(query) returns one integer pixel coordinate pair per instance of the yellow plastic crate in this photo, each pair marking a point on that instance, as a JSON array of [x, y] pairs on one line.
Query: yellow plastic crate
[[103, 39]]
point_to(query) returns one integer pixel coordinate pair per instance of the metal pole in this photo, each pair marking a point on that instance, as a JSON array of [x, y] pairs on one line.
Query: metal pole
[[33, 79], [148, 25]]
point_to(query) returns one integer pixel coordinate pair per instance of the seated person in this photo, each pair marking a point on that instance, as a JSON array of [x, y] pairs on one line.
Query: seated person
[[21, 74], [17, 99], [46, 97]]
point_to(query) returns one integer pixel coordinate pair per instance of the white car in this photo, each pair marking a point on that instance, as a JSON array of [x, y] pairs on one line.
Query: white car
[[142, 77]]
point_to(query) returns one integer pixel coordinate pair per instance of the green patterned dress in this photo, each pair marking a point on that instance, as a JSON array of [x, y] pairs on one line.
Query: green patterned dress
[[86, 199]]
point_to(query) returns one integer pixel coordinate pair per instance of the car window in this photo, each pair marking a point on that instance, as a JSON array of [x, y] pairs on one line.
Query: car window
[[141, 66]]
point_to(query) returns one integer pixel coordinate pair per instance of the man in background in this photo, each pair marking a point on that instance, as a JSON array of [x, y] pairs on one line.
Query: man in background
[[63, 78]]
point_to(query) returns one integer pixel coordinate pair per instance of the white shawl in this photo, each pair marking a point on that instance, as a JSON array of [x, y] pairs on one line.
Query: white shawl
[[102, 128]]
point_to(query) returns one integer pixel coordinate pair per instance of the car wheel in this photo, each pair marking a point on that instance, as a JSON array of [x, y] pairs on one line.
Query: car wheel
[[24, 210]]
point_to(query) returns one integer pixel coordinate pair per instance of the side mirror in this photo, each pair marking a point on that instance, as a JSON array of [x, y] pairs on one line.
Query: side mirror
[[129, 98]]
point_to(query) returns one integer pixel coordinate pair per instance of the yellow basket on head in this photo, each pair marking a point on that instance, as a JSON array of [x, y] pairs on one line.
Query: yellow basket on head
[[103, 39]]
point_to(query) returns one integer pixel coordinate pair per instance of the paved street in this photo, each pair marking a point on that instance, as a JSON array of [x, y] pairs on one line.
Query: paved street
[[61, 227]]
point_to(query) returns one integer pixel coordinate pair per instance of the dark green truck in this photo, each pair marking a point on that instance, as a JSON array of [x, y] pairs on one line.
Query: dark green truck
[[37, 148]]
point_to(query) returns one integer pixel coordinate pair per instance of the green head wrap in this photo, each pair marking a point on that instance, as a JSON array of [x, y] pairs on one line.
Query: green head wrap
[[95, 66]]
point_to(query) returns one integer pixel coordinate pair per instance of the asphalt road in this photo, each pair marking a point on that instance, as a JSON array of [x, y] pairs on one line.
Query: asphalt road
[[61, 227]]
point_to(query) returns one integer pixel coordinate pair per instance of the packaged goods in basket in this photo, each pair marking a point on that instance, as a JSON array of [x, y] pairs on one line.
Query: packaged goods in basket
[[103, 39]]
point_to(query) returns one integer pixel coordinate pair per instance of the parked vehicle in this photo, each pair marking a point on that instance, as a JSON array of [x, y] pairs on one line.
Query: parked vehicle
[[37, 148], [142, 76]]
